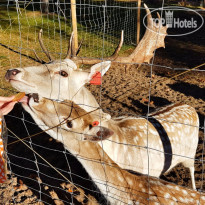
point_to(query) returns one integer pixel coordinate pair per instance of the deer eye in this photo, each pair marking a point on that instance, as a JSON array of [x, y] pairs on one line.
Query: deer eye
[[90, 126], [69, 124], [63, 73]]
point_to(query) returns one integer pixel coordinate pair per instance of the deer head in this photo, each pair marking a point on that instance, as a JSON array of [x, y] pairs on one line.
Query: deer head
[[68, 115], [57, 80], [62, 80]]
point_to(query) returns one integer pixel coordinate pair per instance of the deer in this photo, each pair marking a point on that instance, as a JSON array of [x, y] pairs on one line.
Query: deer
[[48, 83], [150, 145], [118, 185], [63, 80], [167, 129]]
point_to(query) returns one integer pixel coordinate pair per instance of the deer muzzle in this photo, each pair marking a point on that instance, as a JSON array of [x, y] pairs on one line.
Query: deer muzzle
[[10, 74], [102, 133]]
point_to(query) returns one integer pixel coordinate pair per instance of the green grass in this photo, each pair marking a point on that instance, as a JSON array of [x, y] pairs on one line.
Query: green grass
[[21, 31], [25, 28]]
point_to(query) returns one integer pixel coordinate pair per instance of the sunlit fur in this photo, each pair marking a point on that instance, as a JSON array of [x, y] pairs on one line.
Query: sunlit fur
[[118, 185]]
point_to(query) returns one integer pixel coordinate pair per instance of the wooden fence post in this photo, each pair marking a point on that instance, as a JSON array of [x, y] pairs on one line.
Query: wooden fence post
[[74, 23], [138, 21]]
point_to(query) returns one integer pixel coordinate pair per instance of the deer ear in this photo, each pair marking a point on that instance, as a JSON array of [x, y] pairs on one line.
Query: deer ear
[[97, 71]]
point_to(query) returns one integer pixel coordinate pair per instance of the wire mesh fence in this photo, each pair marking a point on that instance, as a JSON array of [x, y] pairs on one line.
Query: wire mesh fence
[[43, 170]]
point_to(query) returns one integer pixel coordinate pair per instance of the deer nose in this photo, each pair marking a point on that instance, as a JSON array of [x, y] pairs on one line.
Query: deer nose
[[11, 73]]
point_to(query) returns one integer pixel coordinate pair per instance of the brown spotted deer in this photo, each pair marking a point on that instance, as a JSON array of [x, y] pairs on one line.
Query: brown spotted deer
[[171, 135], [118, 185]]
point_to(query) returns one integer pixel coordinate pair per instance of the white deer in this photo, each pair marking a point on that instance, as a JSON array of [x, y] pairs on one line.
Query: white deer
[[59, 80], [63, 80], [118, 186]]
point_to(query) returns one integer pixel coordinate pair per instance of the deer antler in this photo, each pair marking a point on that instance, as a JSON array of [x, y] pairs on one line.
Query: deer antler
[[152, 39], [38, 58], [79, 47], [89, 61], [45, 50], [117, 50], [70, 47], [71, 51]]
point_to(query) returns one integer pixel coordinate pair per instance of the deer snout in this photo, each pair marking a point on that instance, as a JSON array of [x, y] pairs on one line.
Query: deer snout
[[100, 133], [11, 73]]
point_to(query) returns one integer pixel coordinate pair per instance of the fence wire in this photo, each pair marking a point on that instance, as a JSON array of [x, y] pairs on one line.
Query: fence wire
[[99, 25]]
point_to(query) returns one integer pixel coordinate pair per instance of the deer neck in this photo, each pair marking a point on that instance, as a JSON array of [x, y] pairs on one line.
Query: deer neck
[[114, 126], [112, 181]]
